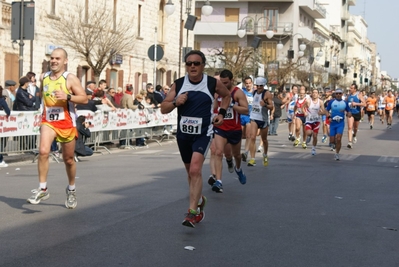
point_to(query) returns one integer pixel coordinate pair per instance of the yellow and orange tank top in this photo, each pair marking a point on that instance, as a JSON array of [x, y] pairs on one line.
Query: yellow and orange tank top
[[57, 113]]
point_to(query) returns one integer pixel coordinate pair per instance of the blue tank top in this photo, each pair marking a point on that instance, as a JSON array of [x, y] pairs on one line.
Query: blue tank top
[[353, 98]]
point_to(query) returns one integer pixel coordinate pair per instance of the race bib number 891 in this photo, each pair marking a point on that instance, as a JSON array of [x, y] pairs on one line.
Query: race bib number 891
[[190, 125]]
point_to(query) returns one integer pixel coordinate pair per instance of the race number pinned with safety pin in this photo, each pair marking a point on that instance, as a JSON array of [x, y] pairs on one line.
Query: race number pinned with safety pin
[[190, 125], [55, 113]]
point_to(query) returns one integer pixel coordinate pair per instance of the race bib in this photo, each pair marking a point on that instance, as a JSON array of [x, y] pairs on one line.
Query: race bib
[[256, 109], [229, 114], [390, 105], [250, 99], [371, 107], [55, 114], [190, 125]]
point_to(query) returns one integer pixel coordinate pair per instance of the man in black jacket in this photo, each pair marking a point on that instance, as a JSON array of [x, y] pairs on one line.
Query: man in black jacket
[[23, 100], [83, 133]]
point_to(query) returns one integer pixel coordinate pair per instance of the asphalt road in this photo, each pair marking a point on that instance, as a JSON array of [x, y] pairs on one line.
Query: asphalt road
[[301, 210]]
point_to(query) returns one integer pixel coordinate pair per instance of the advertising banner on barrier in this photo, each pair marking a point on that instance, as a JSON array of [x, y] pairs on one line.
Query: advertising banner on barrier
[[28, 122]]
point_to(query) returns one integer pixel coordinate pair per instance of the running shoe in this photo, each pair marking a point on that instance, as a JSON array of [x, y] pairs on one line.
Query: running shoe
[[200, 210], [371, 127], [265, 161], [313, 151], [244, 157], [332, 147], [241, 176], [296, 143], [260, 149], [336, 157], [324, 139], [211, 180], [251, 163], [71, 201], [308, 138], [230, 165], [354, 139], [349, 145], [304, 145], [190, 219], [290, 137], [39, 194], [3, 164], [217, 187]]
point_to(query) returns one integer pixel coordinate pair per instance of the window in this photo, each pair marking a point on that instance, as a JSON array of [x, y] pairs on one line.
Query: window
[[139, 21], [198, 13], [269, 51], [113, 79], [230, 48], [270, 20], [52, 7], [197, 45], [231, 14], [114, 14]]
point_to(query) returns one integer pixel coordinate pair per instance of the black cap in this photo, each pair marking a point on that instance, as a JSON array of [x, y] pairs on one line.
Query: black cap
[[90, 82], [10, 83]]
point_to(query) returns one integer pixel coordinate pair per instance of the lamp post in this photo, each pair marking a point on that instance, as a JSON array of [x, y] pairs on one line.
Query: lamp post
[[291, 53], [244, 27]]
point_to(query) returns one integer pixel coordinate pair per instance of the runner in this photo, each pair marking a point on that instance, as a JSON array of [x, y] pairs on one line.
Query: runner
[[293, 96], [299, 109], [337, 108], [371, 106], [60, 91], [381, 107], [312, 124], [245, 120], [259, 115], [193, 95], [390, 103], [355, 101], [227, 137]]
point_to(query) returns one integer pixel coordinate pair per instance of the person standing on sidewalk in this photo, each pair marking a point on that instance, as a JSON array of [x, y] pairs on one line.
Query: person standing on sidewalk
[[279, 102], [3, 140], [227, 138], [60, 90], [193, 95]]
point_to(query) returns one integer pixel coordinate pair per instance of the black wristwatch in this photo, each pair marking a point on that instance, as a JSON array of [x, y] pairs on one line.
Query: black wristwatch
[[174, 102], [69, 97]]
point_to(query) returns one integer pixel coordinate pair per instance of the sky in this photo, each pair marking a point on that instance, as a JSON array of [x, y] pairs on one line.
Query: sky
[[383, 22]]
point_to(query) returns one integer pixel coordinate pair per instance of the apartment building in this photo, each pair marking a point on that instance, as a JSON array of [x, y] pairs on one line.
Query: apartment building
[[149, 25]]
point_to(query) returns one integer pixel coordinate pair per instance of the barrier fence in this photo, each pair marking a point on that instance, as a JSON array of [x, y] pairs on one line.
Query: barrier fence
[[19, 132]]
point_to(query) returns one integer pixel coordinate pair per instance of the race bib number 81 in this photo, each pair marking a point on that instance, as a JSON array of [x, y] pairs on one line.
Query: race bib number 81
[[190, 125]]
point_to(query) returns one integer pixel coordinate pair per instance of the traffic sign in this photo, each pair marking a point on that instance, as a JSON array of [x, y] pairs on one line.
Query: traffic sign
[[151, 53]]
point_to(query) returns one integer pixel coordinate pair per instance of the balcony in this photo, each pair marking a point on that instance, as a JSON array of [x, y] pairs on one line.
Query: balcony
[[352, 2], [350, 21], [216, 28], [307, 34], [345, 14], [313, 8]]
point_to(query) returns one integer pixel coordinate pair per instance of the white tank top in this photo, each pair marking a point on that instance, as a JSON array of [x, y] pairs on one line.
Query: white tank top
[[313, 112]]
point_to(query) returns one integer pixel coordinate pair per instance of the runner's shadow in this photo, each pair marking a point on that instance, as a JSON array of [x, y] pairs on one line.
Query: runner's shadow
[[18, 203]]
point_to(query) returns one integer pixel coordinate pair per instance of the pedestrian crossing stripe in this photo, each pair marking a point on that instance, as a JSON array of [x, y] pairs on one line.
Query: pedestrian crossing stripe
[[349, 157], [388, 159]]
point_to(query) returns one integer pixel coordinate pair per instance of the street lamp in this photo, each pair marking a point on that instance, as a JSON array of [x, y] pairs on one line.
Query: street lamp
[[242, 30], [169, 8], [207, 9]]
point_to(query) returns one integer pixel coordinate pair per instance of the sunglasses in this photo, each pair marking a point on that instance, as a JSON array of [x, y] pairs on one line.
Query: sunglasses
[[190, 63], [338, 93], [112, 92]]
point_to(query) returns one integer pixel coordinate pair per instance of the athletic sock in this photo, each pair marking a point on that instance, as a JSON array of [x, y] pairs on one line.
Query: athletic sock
[[43, 185], [71, 187]]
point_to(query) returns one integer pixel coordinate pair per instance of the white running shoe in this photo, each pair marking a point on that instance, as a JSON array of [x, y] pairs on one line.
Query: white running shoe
[[3, 164], [313, 151]]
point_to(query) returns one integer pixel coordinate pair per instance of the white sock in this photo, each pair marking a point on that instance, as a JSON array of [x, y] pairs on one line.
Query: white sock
[[71, 187], [43, 185], [200, 201]]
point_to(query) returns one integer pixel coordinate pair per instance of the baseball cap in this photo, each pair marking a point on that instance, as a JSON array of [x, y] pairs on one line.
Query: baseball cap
[[260, 81], [338, 90]]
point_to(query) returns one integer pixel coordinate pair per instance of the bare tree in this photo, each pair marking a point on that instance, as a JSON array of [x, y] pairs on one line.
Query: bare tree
[[96, 38], [240, 63]]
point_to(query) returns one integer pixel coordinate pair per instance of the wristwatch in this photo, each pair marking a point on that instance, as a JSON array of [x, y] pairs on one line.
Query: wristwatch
[[69, 97], [174, 102]]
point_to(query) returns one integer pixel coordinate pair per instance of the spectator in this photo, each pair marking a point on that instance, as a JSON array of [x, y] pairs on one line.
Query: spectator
[[110, 94], [101, 87], [33, 89], [127, 99], [24, 101], [157, 94], [150, 94], [279, 102], [138, 101], [10, 92], [100, 95], [83, 133], [3, 140], [118, 96], [90, 86], [164, 91], [91, 104]]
